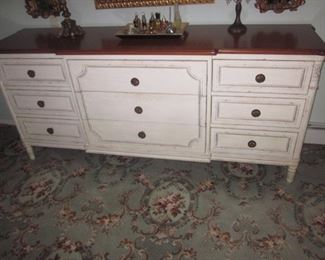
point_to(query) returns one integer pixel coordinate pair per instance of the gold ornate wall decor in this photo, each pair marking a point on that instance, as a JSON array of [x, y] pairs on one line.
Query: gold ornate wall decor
[[46, 8], [278, 6], [43, 8], [105, 4]]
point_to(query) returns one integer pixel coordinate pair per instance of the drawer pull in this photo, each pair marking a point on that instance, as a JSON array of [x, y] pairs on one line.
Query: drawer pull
[[135, 82], [256, 113], [41, 103], [138, 110], [251, 144], [260, 78], [50, 130], [31, 73], [142, 135]]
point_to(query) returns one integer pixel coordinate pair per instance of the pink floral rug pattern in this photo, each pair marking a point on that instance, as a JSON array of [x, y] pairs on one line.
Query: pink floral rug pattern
[[71, 205]]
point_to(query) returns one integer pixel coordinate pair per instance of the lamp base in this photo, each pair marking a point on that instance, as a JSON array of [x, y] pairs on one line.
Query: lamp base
[[237, 28], [70, 29]]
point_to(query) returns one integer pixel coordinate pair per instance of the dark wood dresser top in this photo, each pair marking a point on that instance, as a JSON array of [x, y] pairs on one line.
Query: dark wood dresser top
[[200, 40]]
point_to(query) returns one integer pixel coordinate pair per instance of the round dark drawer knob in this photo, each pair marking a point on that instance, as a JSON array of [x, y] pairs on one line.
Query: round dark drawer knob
[[31, 73], [256, 113], [251, 144], [50, 130], [135, 82], [138, 110], [41, 103], [260, 78], [142, 135]]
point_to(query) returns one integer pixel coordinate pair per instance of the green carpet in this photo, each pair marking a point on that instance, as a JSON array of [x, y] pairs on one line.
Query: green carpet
[[71, 205]]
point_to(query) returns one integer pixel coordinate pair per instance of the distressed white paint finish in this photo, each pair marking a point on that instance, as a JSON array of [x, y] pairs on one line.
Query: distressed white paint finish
[[167, 76], [159, 108], [196, 108], [155, 133], [235, 143], [277, 112], [171, 94], [291, 77], [47, 72], [285, 98], [190, 146], [51, 85], [55, 103], [67, 131], [316, 74]]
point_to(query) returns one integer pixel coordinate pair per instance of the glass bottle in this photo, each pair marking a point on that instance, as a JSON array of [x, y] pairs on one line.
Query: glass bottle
[[151, 22], [136, 21], [177, 17], [163, 24], [144, 22], [157, 22]]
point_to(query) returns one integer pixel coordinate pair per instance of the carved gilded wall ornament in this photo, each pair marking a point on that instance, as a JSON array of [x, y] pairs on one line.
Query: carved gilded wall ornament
[[278, 6], [46, 8], [105, 4]]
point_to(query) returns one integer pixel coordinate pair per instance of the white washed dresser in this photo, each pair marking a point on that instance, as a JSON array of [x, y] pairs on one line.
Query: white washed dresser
[[210, 96]]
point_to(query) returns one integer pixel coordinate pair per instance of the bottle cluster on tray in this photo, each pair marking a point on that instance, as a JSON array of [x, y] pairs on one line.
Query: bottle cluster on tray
[[156, 24]]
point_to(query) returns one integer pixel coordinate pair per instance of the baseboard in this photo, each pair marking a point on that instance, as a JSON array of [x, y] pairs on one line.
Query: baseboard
[[6, 121], [315, 133]]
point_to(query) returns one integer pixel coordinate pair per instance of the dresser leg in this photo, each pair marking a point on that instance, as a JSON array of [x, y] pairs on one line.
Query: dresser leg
[[30, 152], [291, 173]]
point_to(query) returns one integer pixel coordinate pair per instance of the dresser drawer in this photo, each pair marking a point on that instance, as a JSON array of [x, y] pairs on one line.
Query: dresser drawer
[[177, 77], [51, 130], [33, 72], [257, 111], [39, 103], [290, 77], [252, 144], [102, 132], [160, 108]]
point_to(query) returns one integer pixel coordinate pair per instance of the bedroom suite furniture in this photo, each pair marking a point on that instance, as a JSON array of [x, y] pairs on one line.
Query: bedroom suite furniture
[[209, 96]]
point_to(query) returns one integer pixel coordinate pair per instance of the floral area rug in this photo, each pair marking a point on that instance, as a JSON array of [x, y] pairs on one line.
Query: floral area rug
[[68, 204]]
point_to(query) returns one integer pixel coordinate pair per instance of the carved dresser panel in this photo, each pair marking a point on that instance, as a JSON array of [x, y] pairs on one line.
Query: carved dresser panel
[[146, 106]]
